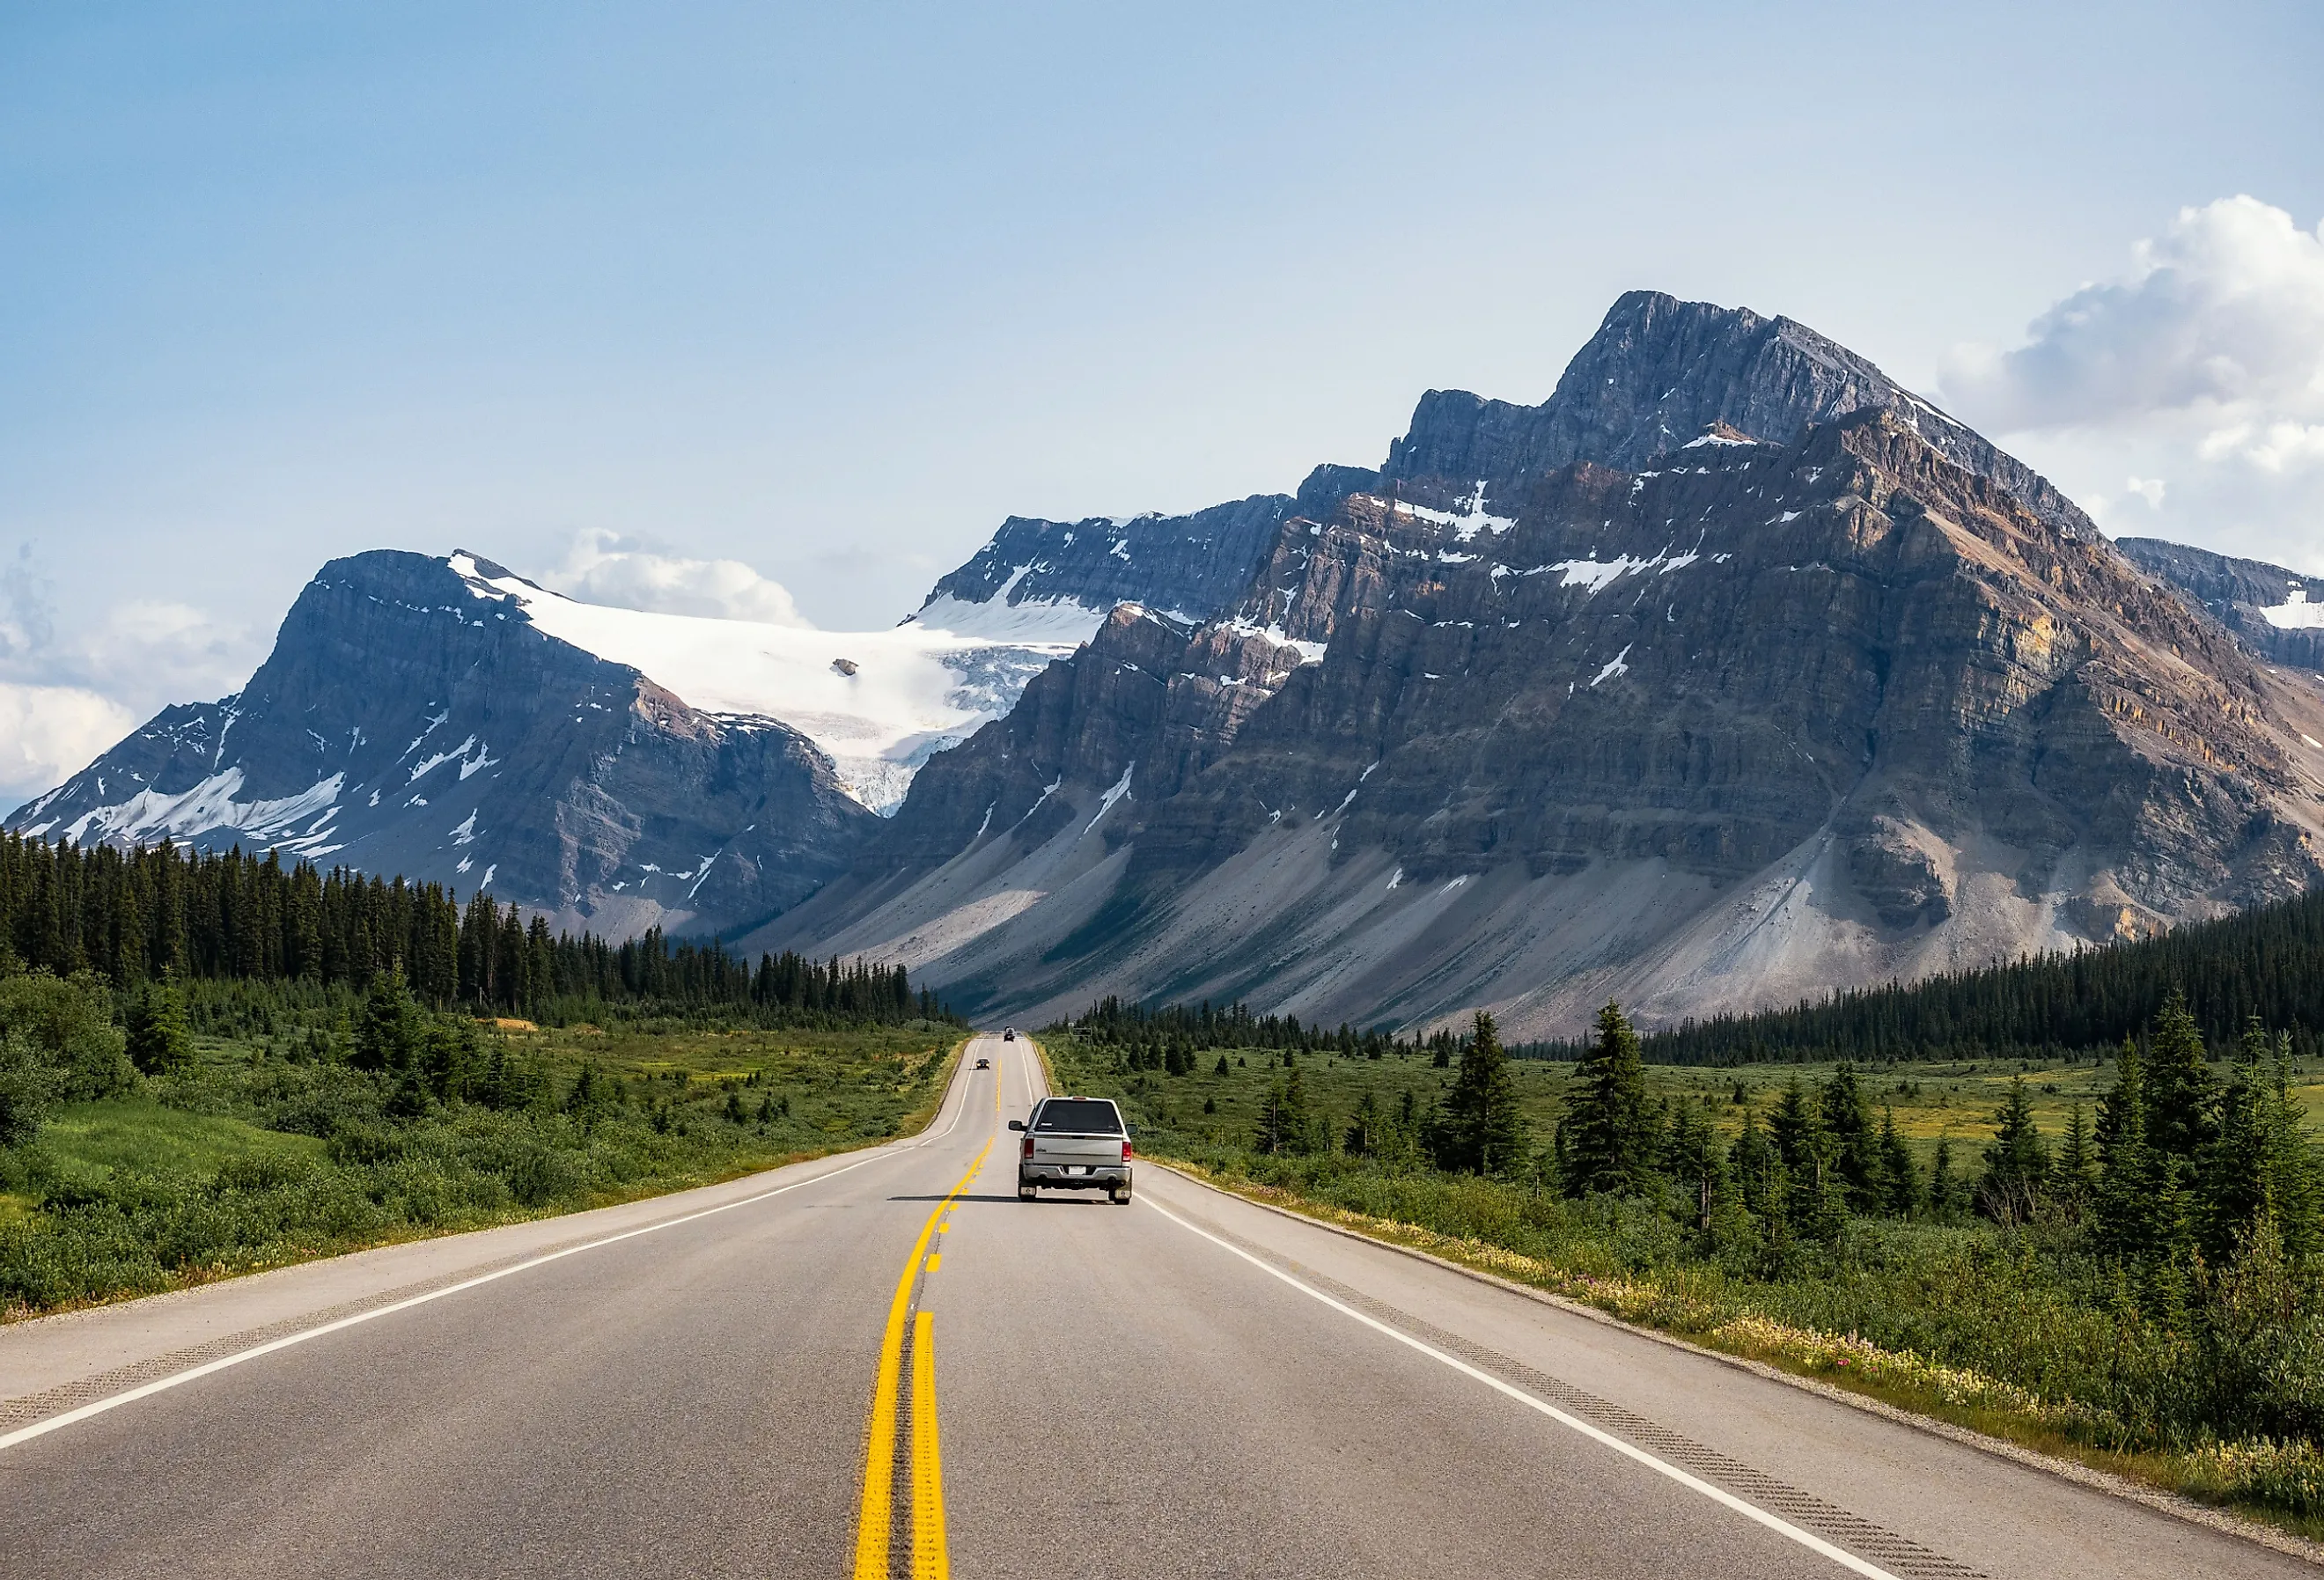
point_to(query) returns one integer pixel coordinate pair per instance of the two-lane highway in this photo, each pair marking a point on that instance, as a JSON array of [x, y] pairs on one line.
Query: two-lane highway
[[885, 1364]]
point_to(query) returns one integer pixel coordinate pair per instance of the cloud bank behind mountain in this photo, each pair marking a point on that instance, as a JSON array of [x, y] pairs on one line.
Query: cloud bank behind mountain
[[2184, 398]]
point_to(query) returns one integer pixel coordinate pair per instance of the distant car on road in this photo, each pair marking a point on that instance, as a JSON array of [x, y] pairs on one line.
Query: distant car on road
[[984, 1064], [1074, 1143], [1009, 1034]]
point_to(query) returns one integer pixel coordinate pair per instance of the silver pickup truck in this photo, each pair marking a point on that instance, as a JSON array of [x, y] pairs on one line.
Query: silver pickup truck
[[1074, 1143]]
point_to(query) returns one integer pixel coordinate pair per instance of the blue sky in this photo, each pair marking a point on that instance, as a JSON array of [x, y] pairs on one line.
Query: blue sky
[[825, 291]]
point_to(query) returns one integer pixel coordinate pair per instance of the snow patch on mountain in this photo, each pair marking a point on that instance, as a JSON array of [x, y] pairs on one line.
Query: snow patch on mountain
[[2295, 615], [150, 815], [880, 703], [1050, 621]]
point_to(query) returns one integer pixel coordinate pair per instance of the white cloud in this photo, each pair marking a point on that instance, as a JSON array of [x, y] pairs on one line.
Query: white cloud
[[2203, 365], [50, 732], [69, 692], [601, 569], [2226, 308]]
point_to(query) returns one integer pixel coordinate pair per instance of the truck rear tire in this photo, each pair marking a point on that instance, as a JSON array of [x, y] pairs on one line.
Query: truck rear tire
[[1024, 1193]]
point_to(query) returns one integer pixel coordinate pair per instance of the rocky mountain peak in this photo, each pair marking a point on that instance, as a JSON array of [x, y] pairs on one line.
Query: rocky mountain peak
[[1740, 720], [1660, 372]]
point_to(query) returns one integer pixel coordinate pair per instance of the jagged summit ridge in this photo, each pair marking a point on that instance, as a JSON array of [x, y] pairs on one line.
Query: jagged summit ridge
[[1658, 373], [1661, 372]]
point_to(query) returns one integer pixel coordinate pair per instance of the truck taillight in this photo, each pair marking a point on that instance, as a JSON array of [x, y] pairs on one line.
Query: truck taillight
[[1029, 1148], [1128, 1151]]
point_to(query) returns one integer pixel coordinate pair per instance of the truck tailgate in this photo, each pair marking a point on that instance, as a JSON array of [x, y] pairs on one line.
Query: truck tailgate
[[1074, 1150]]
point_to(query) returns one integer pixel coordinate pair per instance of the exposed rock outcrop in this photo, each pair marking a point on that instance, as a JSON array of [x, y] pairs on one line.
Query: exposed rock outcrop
[[2278, 613]]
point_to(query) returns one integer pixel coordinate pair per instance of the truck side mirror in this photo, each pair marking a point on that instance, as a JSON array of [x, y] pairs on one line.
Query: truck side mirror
[[1016, 1124]]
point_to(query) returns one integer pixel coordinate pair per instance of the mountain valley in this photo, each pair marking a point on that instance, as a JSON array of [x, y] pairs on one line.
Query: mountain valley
[[1731, 672]]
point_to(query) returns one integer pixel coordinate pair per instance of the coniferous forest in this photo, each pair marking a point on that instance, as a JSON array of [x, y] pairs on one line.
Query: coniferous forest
[[144, 915], [2267, 963]]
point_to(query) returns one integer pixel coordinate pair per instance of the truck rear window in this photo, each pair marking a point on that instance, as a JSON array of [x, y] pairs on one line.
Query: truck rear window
[[1078, 1117]]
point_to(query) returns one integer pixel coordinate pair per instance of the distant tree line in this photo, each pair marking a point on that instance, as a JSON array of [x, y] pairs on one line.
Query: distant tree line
[[1167, 1039], [160, 913], [2265, 964]]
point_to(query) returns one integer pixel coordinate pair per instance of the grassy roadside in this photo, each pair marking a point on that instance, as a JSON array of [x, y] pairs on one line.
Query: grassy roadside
[[2007, 1334], [257, 1154], [1931, 1102]]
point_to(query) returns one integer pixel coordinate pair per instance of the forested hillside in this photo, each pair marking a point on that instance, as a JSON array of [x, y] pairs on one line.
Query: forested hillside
[[2267, 963]]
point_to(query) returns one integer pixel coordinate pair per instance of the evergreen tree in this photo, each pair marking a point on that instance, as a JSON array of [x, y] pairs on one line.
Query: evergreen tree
[[2181, 1095], [1855, 1147], [2140, 1204], [1367, 1127], [1483, 1128], [2016, 1176], [1764, 1185], [450, 1061], [2074, 1178], [159, 1041], [1819, 1199], [1694, 1161], [1282, 1123], [1899, 1177], [1608, 1140], [388, 1033], [2260, 1163], [1945, 1185]]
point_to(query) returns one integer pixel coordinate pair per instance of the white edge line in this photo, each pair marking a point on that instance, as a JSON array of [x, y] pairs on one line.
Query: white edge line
[[162, 1384], [961, 1082], [1782, 1527]]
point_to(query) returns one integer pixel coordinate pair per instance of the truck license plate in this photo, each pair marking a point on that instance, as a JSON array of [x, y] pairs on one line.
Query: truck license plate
[[1077, 1168]]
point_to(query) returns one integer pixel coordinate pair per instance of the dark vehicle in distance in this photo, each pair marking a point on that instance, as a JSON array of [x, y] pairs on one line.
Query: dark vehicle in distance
[[1009, 1034], [984, 1064], [1074, 1143]]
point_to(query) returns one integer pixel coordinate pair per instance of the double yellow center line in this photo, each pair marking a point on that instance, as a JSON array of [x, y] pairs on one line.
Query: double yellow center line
[[875, 1519]]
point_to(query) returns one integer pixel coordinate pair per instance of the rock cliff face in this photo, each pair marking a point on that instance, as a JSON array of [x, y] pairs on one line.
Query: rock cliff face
[[2278, 613], [410, 720], [1707, 726]]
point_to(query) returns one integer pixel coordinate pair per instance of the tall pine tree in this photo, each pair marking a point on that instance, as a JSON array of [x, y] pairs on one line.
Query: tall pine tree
[[2016, 1179], [2260, 1164], [1484, 1128], [1609, 1133]]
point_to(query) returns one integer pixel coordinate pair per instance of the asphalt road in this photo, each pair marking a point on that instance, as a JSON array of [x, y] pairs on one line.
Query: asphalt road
[[741, 1382]]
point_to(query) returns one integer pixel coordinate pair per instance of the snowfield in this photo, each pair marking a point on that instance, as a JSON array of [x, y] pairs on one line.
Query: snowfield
[[2296, 615], [879, 702], [1037, 620]]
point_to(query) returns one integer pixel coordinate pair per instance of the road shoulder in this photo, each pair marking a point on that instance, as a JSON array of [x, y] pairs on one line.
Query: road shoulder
[[2214, 1522]]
